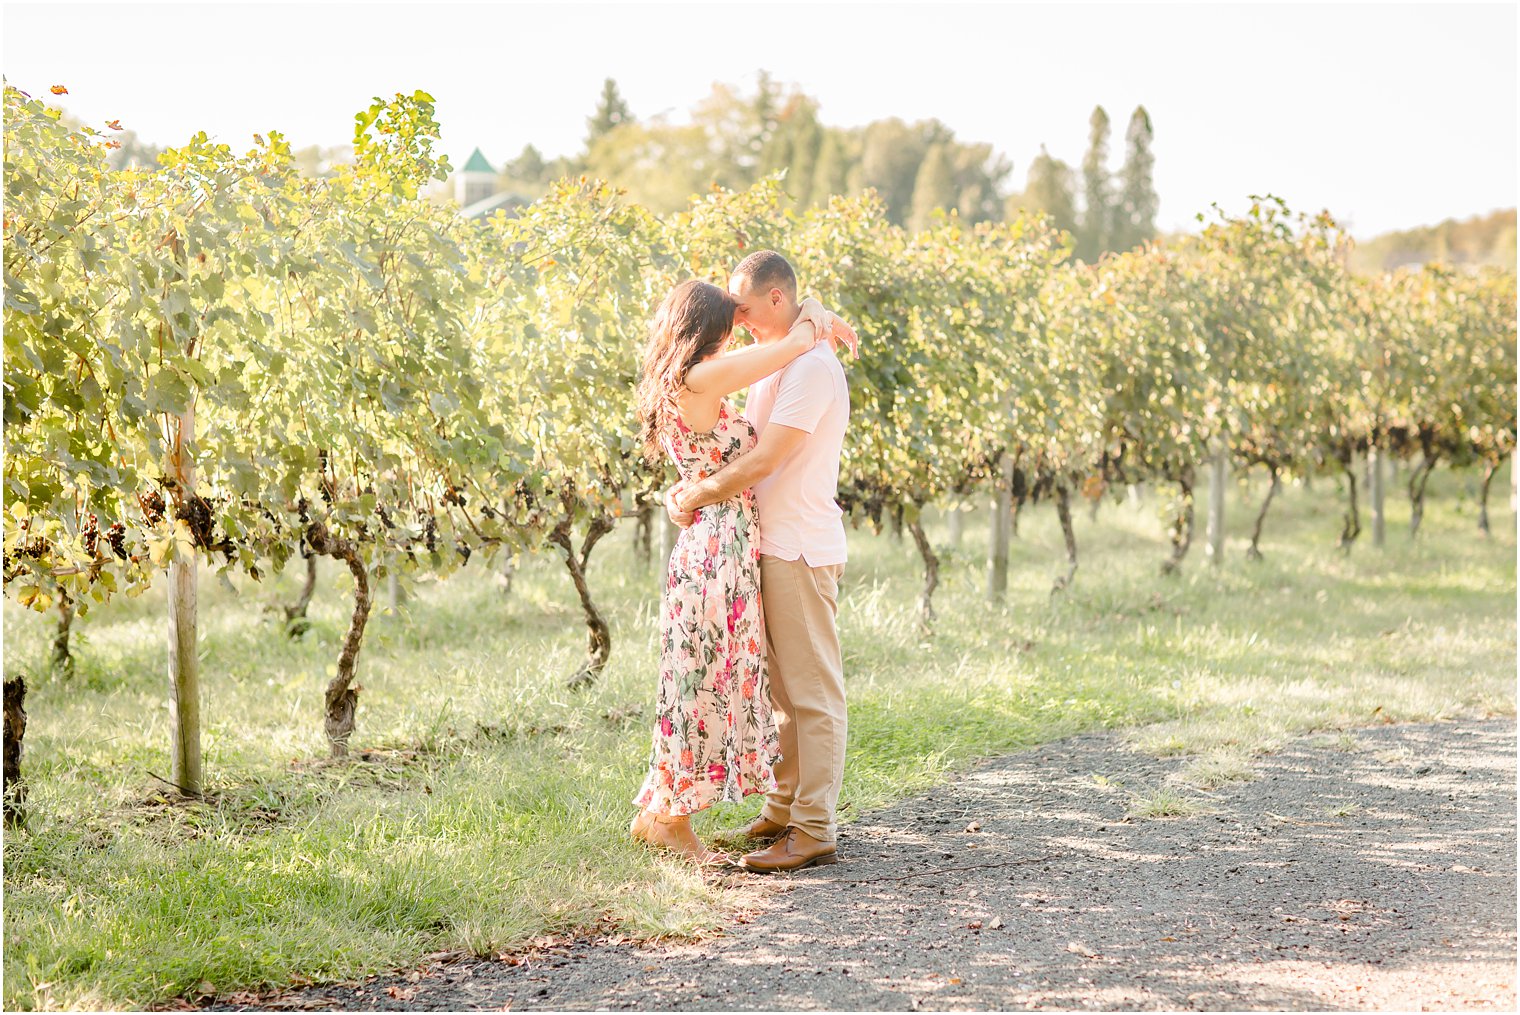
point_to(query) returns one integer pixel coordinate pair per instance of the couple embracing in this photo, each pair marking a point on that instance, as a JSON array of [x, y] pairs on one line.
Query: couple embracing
[[751, 697]]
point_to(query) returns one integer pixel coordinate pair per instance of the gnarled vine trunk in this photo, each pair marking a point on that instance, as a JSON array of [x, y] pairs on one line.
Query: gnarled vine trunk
[[1063, 512], [1182, 525], [508, 572], [931, 572], [1254, 552], [598, 634], [1417, 481], [1490, 467], [1351, 527], [296, 623], [15, 732], [63, 659], [342, 698]]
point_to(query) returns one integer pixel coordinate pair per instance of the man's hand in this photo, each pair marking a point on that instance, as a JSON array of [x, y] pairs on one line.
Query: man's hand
[[684, 497], [673, 509]]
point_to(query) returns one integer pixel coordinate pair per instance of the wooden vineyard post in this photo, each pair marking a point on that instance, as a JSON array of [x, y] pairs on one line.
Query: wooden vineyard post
[[1375, 486], [184, 668], [955, 520], [1001, 532], [1218, 474]]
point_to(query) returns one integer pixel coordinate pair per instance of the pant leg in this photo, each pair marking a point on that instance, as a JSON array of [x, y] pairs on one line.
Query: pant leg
[[801, 608], [778, 802]]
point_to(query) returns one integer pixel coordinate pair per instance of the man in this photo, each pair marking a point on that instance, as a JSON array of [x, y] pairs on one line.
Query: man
[[799, 413]]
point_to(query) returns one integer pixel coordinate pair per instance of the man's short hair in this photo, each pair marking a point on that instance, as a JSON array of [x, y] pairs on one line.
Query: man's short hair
[[766, 269]]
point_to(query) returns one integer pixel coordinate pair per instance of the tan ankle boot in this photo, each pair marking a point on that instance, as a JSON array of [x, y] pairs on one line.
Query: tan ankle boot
[[796, 850], [673, 832]]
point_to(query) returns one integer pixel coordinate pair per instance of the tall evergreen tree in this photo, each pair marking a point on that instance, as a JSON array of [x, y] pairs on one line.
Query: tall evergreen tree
[[1097, 191], [1136, 219], [611, 110], [890, 155], [829, 172], [934, 188], [980, 178], [808, 137], [1051, 188], [528, 167]]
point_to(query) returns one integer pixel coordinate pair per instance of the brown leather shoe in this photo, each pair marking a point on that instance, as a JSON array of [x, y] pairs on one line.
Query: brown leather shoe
[[795, 850], [761, 831], [764, 831]]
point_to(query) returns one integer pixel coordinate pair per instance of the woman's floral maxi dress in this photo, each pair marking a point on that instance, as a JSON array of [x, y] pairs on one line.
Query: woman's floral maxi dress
[[715, 736]]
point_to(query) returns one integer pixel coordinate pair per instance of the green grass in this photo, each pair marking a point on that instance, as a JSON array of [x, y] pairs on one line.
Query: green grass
[[1166, 802], [494, 808]]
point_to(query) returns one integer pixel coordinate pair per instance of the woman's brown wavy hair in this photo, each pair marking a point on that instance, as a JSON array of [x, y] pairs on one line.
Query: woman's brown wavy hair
[[689, 326]]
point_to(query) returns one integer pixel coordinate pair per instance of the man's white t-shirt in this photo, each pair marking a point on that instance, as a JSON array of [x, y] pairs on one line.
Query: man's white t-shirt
[[797, 513]]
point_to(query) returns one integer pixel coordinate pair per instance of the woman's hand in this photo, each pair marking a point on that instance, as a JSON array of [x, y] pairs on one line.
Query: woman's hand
[[812, 312], [829, 326]]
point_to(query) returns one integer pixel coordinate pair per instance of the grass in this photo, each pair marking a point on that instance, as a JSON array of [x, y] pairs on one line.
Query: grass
[[494, 805], [1166, 802]]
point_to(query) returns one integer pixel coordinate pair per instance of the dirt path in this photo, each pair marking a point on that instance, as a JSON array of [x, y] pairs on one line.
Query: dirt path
[[1021, 885]]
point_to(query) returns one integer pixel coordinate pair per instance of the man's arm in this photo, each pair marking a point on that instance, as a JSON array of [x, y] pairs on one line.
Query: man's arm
[[776, 445]]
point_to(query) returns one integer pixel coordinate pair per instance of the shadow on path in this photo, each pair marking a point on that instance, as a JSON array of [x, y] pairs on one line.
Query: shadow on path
[[1377, 872]]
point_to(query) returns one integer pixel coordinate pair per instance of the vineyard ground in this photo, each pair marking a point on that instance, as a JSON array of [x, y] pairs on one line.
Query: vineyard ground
[[491, 812], [1370, 868]]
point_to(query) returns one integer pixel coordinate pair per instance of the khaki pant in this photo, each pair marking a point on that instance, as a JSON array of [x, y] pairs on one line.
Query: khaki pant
[[806, 674]]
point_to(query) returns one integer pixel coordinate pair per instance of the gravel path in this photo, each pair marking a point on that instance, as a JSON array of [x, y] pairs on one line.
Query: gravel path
[[1373, 870]]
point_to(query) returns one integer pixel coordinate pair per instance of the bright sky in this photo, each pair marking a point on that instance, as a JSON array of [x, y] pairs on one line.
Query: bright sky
[[1388, 115]]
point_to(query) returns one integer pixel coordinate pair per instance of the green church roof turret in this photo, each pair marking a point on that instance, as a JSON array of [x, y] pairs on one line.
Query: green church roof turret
[[478, 164]]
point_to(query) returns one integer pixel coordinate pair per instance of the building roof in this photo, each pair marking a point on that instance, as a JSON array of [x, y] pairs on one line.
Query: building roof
[[506, 199], [478, 164]]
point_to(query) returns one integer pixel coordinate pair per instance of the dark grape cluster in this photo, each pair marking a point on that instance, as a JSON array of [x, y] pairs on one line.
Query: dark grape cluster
[[91, 534], [431, 530], [453, 495], [153, 507], [197, 513], [116, 535]]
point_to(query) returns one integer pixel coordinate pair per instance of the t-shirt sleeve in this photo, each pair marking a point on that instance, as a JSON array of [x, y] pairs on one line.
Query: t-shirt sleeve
[[803, 394]]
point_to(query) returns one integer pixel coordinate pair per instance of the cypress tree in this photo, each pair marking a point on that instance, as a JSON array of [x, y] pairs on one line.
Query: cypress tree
[[611, 110], [1097, 214], [830, 169], [1136, 218], [1052, 189], [933, 188]]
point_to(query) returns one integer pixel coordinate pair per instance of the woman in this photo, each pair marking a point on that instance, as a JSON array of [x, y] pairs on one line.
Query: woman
[[715, 737]]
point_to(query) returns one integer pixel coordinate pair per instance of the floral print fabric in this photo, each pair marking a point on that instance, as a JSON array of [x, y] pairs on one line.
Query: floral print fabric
[[715, 736]]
